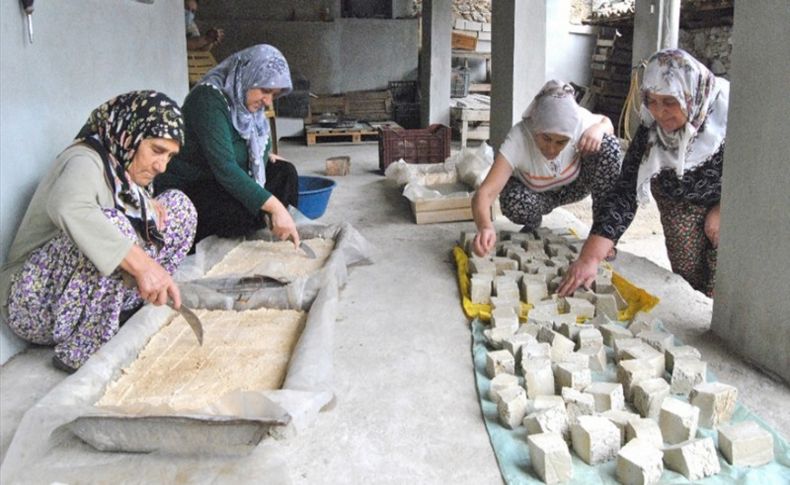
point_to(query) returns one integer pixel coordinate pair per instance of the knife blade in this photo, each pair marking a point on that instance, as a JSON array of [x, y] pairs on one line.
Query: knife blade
[[194, 322], [192, 319]]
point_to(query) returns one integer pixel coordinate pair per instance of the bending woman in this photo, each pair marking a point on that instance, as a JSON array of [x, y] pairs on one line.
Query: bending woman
[[226, 167], [91, 219], [676, 155], [557, 154]]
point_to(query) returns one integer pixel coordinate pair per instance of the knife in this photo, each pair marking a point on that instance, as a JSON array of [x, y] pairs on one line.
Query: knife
[[239, 285], [191, 318], [194, 322]]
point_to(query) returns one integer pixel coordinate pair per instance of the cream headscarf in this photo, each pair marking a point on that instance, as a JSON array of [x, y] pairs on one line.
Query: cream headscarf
[[703, 98], [554, 110]]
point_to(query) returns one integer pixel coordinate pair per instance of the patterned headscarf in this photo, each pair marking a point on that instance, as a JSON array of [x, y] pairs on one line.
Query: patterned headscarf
[[553, 110], [260, 66], [115, 130], [703, 98]]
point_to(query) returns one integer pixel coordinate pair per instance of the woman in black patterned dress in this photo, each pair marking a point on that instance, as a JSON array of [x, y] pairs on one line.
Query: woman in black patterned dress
[[676, 156]]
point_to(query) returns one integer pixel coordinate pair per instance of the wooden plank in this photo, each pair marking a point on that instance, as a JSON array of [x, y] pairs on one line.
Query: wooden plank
[[449, 215], [464, 41], [482, 132], [442, 203], [470, 114]]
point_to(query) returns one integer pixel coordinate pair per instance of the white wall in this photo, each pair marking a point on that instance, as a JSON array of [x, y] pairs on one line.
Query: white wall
[[336, 57], [569, 47], [84, 52]]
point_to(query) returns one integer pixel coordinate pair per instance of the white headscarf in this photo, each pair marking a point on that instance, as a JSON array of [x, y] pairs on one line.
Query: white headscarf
[[553, 110], [260, 66], [703, 98]]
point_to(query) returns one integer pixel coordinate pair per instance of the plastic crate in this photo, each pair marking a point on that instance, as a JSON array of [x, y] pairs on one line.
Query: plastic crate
[[427, 145], [403, 91], [406, 114]]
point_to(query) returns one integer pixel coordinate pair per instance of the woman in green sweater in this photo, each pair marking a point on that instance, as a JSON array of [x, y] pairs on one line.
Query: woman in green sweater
[[226, 166]]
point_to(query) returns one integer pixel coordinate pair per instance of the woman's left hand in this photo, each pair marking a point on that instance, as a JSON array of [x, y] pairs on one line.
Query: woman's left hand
[[712, 225], [590, 141], [161, 214], [274, 158]]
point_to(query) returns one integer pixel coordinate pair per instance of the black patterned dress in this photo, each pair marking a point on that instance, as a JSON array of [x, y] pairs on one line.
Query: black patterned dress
[[599, 172], [683, 203]]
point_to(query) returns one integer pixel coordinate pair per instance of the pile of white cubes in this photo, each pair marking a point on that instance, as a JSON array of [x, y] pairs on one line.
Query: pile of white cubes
[[542, 373]]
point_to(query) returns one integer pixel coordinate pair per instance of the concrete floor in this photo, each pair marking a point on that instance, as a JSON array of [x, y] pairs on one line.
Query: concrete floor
[[406, 409]]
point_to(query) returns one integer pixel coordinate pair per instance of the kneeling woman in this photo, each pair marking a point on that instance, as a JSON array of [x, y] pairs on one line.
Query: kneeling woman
[[226, 167], [557, 154], [91, 219]]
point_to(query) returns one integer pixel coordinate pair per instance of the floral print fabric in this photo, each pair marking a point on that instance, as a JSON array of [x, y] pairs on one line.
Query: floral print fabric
[[690, 252], [59, 297]]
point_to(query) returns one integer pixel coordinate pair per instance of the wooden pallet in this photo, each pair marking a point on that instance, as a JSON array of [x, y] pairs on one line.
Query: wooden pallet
[[359, 133]]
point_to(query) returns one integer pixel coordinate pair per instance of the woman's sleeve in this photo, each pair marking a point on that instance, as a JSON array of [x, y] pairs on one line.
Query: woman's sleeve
[[208, 116], [74, 206], [617, 209]]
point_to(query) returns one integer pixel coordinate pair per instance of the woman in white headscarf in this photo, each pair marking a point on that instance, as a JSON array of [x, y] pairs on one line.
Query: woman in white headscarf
[[559, 153], [226, 166], [676, 156]]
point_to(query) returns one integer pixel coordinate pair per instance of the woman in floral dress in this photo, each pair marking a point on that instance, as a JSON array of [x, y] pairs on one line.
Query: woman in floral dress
[[92, 219]]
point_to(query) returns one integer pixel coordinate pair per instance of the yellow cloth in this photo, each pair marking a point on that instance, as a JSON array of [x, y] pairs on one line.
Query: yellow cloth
[[637, 298]]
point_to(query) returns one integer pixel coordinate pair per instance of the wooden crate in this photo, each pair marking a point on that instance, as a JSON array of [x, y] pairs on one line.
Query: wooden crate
[[428, 211], [464, 41]]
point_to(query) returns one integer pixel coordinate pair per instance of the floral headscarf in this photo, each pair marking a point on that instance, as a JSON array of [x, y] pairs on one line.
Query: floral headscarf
[[703, 98], [115, 130], [553, 110], [260, 66]]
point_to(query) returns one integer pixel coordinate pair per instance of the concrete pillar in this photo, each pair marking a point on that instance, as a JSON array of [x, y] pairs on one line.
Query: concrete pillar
[[751, 307], [670, 23], [656, 26], [518, 61], [435, 61]]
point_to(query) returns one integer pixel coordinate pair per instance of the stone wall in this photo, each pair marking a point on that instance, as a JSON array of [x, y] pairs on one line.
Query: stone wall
[[711, 46]]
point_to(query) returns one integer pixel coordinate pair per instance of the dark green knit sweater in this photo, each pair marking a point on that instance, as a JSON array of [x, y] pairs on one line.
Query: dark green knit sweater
[[213, 149]]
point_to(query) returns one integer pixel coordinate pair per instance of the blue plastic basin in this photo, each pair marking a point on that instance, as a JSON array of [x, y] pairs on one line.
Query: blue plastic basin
[[314, 195]]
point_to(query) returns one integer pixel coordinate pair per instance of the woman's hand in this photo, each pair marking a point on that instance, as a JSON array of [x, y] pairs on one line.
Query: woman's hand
[[282, 224], [484, 241], [161, 214], [215, 35], [274, 158], [153, 282], [713, 224], [581, 272], [284, 227], [590, 141]]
